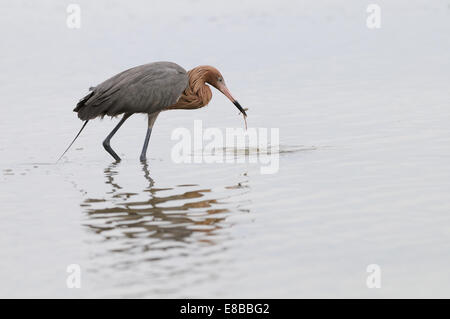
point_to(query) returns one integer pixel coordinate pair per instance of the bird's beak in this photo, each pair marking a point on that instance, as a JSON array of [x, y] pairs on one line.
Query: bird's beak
[[227, 93]]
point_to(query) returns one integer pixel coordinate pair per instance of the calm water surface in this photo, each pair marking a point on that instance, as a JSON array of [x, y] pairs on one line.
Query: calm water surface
[[364, 174]]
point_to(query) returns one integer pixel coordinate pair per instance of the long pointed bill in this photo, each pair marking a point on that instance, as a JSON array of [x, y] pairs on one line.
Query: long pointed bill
[[227, 93]]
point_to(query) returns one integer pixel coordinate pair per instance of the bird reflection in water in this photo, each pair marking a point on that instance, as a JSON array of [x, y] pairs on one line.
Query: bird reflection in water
[[188, 213]]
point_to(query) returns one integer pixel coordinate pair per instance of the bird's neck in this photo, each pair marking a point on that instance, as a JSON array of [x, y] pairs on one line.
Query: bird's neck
[[198, 77], [197, 94]]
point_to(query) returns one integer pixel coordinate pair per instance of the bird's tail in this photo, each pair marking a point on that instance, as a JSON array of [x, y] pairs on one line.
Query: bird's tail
[[73, 140]]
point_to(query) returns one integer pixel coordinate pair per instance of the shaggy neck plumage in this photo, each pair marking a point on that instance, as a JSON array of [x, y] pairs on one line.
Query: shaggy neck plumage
[[197, 94]]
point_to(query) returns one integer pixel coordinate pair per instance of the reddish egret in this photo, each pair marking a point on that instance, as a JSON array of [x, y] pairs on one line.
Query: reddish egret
[[150, 89]]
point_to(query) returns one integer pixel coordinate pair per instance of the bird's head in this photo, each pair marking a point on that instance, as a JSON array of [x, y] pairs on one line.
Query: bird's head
[[215, 79]]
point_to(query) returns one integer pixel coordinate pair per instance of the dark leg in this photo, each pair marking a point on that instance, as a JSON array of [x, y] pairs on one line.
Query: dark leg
[[151, 121], [144, 149], [108, 138]]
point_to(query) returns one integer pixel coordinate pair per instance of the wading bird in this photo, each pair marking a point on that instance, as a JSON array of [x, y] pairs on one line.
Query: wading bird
[[150, 89]]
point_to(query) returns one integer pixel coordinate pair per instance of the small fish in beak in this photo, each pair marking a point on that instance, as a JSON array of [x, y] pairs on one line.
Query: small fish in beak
[[222, 88]]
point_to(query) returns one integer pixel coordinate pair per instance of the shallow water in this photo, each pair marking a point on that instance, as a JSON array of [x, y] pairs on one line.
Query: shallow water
[[364, 153]]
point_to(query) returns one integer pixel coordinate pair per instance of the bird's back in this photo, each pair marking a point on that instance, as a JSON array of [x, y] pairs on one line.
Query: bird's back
[[146, 88]]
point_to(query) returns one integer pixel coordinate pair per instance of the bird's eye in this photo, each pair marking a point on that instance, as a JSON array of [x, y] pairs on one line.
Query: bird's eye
[[220, 79]]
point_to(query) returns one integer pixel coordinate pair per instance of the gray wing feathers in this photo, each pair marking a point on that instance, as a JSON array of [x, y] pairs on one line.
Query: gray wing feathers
[[143, 89]]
